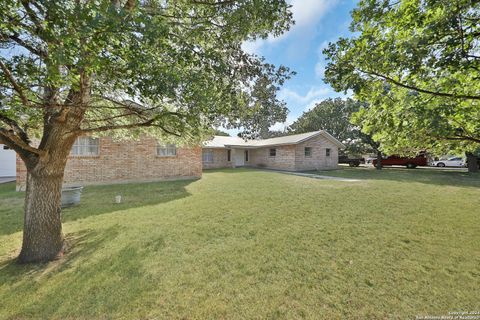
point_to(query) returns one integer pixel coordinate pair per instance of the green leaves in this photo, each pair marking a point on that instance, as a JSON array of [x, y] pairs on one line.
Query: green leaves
[[426, 54], [333, 115], [182, 56]]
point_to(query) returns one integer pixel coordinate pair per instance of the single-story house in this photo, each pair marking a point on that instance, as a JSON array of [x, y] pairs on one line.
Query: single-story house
[[104, 160], [306, 151]]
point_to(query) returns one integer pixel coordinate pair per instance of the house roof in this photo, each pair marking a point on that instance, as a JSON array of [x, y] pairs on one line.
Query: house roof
[[227, 142], [222, 141]]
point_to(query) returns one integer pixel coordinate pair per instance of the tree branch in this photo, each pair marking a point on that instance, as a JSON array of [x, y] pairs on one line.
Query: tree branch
[[215, 3], [406, 86], [148, 123], [14, 83], [39, 52], [129, 105], [463, 138], [130, 5], [31, 13], [134, 107], [113, 117], [15, 127], [14, 142]]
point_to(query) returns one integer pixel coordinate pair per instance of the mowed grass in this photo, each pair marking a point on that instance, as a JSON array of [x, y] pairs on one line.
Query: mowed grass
[[246, 244]]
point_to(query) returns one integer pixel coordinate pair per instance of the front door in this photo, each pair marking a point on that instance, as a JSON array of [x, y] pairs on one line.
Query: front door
[[328, 158], [239, 157]]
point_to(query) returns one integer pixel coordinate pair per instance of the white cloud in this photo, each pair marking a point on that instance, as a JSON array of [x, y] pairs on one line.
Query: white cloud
[[306, 14], [282, 126], [313, 103], [321, 64], [309, 12], [299, 103], [298, 99], [320, 68], [252, 47]]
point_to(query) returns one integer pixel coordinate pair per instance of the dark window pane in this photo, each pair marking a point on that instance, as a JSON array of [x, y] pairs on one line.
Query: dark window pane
[[308, 151]]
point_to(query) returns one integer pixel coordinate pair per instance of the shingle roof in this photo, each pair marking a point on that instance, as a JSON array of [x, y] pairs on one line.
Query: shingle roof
[[225, 142], [221, 141]]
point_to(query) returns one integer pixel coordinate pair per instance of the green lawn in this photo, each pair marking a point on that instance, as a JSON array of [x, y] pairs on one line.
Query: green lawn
[[243, 244]]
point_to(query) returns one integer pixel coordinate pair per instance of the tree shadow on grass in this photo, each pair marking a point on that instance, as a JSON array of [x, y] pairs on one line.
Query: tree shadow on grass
[[82, 283], [418, 175], [237, 170], [83, 242], [95, 200], [421, 175]]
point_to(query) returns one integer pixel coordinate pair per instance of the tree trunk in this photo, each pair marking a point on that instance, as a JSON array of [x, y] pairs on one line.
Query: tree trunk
[[42, 233], [379, 160], [472, 162]]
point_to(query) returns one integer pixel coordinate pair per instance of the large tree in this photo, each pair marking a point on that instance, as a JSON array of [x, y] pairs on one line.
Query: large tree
[[334, 116], [75, 67], [417, 65]]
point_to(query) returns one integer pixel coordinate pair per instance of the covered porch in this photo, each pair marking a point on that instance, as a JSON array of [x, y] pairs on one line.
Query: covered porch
[[213, 158]]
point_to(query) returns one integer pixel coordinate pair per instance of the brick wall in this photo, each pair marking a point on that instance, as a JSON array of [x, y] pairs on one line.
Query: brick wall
[[283, 160], [292, 157], [124, 161], [21, 174], [220, 159], [318, 160]]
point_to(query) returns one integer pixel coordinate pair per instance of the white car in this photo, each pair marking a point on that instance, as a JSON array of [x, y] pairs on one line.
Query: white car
[[450, 162]]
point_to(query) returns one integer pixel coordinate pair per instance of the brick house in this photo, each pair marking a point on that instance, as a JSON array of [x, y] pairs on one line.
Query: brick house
[[306, 151], [104, 160]]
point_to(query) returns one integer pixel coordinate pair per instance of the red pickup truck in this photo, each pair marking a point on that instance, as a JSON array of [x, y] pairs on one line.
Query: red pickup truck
[[410, 163]]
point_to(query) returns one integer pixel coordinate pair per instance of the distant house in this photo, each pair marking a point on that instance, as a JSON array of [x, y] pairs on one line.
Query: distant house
[[306, 151], [104, 160]]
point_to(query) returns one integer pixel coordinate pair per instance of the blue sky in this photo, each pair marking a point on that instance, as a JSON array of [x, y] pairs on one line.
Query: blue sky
[[318, 22]]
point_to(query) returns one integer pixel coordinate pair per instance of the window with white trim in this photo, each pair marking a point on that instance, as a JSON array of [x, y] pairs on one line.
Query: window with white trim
[[308, 152], [229, 155], [166, 150], [273, 152], [85, 146], [327, 152], [207, 155]]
